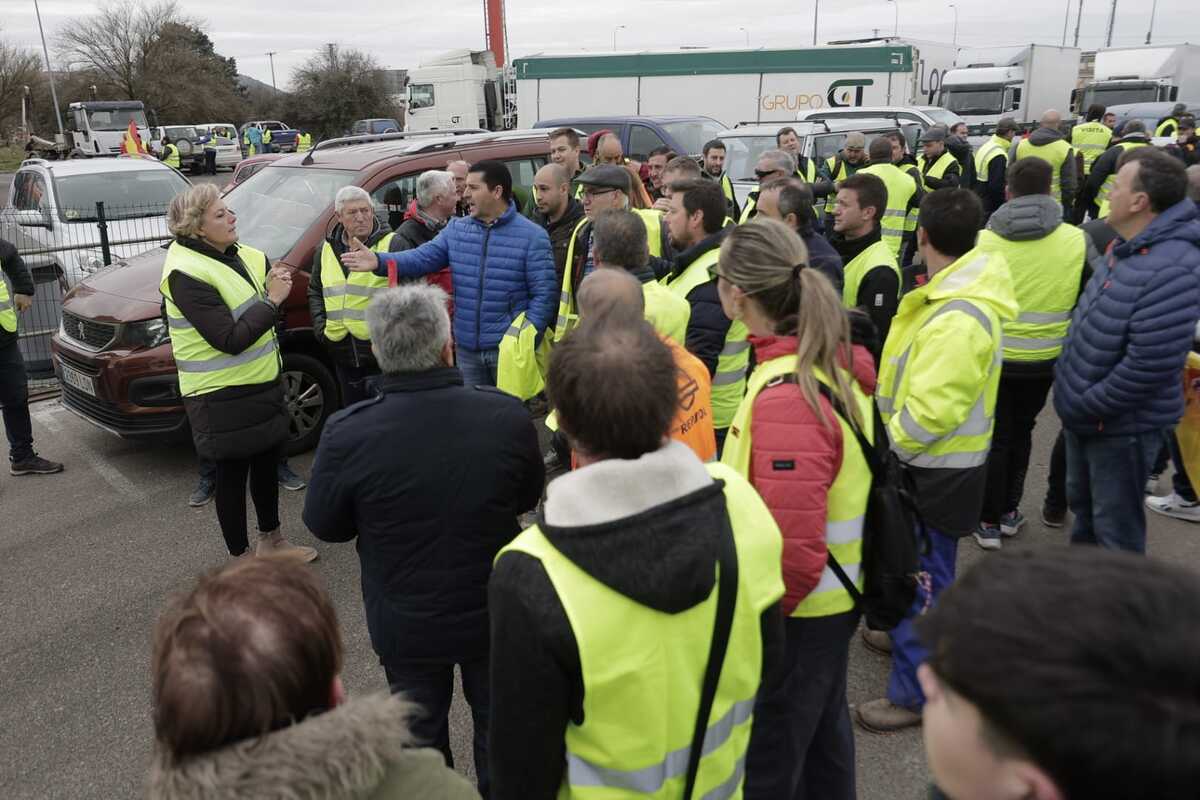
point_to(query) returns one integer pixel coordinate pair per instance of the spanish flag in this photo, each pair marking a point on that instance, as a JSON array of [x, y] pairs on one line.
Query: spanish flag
[[132, 145]]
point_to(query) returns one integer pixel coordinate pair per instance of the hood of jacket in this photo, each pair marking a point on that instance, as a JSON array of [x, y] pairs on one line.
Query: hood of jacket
[[1133, 138], [646, 527], [1023, 219], [862, 366], [343, 753], [1179, 222], [978, 277], [1045, 136]]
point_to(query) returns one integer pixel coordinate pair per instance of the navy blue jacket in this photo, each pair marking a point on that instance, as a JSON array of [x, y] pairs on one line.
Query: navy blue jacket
[[430, 477], [1119, 372], [499, 270]]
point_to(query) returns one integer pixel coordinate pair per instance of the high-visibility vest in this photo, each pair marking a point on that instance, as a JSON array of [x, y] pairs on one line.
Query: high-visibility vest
[[900, 189], [8, 311], [938, 382], [266, 136], [1091, 139], [666, 311], [172, 156], [1111, 178], [847, 498], [751, 208], [1046, 274], [203, 368], [635, 657], [808, 172], [729, 381], [995, 147], [303, 142], [839, 170], [1055, 154], [878, 254], [1167, 127], [653, 221], [517, 370], [938, 169], [347, 297], [727, 189]]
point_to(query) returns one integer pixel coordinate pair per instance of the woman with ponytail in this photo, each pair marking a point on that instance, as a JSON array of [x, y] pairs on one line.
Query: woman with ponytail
[[792, 438]]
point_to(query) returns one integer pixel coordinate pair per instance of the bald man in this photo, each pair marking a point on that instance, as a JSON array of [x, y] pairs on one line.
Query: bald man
[[1048, 144], [556, 210], [608, 150]]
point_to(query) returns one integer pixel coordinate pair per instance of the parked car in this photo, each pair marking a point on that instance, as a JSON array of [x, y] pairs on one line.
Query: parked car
[[380, 125], [229, 152], [818, 140], [925, 116], [1150, 114], [640, 135], [283, 137], [248, 166], [186, 138], [52, 218], [115, 357]]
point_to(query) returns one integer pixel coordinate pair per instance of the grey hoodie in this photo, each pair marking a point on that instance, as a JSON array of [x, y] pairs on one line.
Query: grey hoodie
[[1066, 176]]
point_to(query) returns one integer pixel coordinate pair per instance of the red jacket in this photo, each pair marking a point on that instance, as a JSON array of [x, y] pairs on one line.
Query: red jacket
[[784, 430]]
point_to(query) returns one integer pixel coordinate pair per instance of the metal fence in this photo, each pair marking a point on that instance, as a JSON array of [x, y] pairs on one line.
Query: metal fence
[[63, 246]]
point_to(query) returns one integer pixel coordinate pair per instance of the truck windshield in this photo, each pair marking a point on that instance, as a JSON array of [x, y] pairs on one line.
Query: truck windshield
[[126, 194], [115, 119], [1119, 95], [741, 155], [943, 117], [692, 135], [974, 99], [276, 206]]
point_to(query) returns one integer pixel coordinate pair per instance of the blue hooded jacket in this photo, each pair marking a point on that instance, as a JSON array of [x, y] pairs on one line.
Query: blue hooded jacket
[[499, 269], [1121, 365]]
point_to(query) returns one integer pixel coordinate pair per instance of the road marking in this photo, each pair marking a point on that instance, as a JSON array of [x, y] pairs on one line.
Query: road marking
[[46, 416], [111, 475]]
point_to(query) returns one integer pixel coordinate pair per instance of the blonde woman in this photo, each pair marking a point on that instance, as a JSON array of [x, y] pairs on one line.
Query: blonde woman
[[221, 301], [792, 439]]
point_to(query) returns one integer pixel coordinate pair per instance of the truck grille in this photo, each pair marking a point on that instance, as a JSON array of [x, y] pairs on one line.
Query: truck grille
[[95, 335]]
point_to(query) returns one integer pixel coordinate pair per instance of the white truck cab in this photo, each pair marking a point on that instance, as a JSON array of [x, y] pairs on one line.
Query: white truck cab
[[97, 127], [459, 89]]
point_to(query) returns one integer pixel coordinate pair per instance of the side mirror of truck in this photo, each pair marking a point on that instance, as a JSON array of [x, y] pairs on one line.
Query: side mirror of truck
[[27, 219]]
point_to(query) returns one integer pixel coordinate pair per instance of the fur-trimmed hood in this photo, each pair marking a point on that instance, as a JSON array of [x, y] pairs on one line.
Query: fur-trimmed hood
[[361, 750]]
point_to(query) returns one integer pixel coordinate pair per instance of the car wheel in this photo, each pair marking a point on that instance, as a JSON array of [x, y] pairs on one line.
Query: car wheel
[[311, 395]]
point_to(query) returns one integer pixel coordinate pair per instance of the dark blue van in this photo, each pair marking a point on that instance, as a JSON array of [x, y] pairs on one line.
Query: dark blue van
[[640, 135]]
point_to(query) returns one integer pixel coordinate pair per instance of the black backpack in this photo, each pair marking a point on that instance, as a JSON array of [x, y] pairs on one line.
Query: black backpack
[[894, 534]]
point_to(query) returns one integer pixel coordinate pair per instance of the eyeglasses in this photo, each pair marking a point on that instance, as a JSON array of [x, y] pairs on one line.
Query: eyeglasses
[[765, 173], [597, 192]]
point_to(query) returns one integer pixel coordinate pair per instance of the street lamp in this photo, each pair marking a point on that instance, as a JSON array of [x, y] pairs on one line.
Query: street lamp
[[955, 39], [619, 27], [896, 30], [816, 14], [743, 30]]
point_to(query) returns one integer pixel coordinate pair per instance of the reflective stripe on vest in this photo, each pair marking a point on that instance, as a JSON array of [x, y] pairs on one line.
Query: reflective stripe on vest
[[876, 255], [896, 220], [203, 368], [847, 498], [749, 211], [632, 656], [1106, 187], [346, 298], [303, 142], [992, 148], [1055, 154], [517, 370], [1046, 274], [1091, 139], [938, 169], [568, 317], [8, 312], [727, 189], [968, 444], [729, 381], [809, 173], [1167, 127]]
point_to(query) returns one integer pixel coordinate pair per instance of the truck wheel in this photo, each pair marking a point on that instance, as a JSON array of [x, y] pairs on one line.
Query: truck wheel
[[311, 395]]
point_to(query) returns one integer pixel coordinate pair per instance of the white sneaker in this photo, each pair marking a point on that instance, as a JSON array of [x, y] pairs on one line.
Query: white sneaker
[[1173, 505]]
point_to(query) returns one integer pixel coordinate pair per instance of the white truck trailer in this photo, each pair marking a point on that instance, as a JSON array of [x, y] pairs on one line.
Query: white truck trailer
[[1162, 73], [1021, 82]]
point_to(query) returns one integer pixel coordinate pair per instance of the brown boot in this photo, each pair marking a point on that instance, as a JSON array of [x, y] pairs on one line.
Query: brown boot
[[881, 716], [878, 641], [273, 543]]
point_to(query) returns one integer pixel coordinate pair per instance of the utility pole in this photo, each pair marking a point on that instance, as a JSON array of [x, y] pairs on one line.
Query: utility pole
[[1112, 21], [816, 14], [619, 27], [49, 71], [1078, 20], [954, 41], [271, 55], [1066, 21], [1150, 30]]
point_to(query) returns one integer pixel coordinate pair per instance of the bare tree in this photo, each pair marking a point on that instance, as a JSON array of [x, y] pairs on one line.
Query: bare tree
[[334, 88], [117, 42], [18, 69]]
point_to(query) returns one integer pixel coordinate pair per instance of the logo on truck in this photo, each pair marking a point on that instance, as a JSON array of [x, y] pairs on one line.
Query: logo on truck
[[842, 99]]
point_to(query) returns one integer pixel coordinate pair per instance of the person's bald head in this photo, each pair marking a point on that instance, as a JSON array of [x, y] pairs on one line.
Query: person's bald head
[[1193, 175], [1051, 119], [608, 150], [613, 294]]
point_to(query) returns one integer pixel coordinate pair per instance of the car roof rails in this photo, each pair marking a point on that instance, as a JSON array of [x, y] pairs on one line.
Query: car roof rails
[[371, 138], [34, 160]]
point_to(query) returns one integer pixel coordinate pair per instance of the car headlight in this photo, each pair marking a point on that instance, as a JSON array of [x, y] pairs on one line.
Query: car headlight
[[147, 334]]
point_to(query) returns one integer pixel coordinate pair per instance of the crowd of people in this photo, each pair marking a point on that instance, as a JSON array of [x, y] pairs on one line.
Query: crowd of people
[[671, 615]]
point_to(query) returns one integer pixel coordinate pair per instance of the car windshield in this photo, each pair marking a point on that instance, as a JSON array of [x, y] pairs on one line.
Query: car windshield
[[1118, 95], [277, 205], [976, 100], [741, 155], [943, 117], [693, 134], [125, 194], [115, 119]]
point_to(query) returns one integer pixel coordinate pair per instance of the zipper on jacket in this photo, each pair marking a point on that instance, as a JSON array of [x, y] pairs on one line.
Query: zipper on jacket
[[487, 235]]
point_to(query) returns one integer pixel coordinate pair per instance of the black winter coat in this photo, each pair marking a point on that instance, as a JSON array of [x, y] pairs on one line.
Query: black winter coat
[[430, 476], [708, 325], [560, 233], [19, 278]]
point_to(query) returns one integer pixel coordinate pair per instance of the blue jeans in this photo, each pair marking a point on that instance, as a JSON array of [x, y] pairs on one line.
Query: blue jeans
[[1106, 479], [907, 651], [478, 367]]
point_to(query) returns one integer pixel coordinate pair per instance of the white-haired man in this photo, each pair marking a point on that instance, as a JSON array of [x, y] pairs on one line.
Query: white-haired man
[[430, 477], [435, 204]]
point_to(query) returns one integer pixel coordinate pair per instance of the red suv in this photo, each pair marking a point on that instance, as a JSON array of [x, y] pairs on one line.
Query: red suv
[[112, 353]]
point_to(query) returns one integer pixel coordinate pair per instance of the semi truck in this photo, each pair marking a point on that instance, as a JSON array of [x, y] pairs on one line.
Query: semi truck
[[1158, 74], [93, 128], [1021, 82], [465, 89]]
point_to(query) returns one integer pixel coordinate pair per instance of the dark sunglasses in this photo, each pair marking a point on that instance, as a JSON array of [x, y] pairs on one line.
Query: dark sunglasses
[[760, 174], [597, 192]]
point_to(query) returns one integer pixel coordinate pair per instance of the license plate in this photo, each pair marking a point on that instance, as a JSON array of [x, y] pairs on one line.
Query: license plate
[[77, 380]]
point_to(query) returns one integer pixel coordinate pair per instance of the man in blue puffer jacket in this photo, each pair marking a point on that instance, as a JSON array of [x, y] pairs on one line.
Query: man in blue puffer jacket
[[501, 265], [1117, 384]]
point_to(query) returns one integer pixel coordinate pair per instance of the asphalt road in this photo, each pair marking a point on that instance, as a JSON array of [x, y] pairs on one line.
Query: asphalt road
[[90, 557]]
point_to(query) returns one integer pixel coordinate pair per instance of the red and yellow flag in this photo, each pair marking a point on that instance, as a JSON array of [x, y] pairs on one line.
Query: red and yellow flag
[[132, 144]]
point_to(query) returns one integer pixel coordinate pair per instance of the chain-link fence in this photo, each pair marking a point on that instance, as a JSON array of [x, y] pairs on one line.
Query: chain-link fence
[[61, 247]]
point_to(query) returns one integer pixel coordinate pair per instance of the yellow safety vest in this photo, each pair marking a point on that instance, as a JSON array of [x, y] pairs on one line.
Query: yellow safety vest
[[938, 169], [1167, 127], [266, 135], [634, 657], [996, 147], [666, 311], [727, 189], [878, 254], [8, 311], [896, 220], [1046, 274], [347, 298], [1106, 187], [839, 169], [517, 370], [304, 142], [1091, 139], [809, 175], [172, 153], [653, 221], [203, 368], [729, 381], [749, 211], [1055, 154], [847, 499], [919, 389]]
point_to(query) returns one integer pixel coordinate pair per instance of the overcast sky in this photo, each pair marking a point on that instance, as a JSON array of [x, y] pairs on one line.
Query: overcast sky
[[400, 33]]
